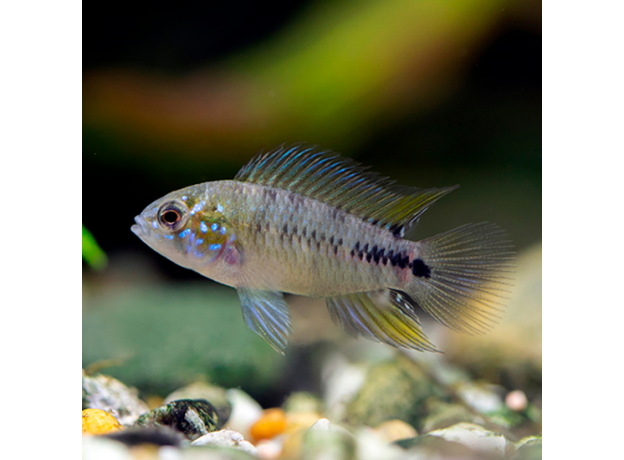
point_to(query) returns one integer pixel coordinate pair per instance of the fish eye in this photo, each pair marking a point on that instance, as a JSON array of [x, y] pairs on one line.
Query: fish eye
[[171, 215]]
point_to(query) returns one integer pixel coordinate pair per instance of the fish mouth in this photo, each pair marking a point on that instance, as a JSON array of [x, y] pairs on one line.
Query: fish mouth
[[137, 228]]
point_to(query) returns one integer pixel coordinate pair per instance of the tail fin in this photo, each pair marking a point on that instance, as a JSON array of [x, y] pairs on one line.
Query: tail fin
[[469, 273]]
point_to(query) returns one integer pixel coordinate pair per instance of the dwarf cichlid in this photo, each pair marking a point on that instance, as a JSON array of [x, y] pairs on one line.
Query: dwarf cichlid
[[309, 222]]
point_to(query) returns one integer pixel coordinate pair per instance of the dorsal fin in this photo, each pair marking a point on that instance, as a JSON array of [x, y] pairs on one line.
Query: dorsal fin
[[341, 182]]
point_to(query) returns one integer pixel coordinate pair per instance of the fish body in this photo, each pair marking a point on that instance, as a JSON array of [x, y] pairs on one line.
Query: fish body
[[308, 222]]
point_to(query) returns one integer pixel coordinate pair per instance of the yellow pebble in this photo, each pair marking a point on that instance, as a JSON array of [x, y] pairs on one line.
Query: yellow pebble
[[96, 421], [298, 420], [271, 423], [292, 444], [394, 430]]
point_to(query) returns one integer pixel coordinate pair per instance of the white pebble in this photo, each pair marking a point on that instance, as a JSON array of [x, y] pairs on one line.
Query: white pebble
[[516, 400], [225, 438], [269, 449]]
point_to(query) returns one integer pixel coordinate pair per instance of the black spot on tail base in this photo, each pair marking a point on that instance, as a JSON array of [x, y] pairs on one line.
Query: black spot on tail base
[[421, 269]]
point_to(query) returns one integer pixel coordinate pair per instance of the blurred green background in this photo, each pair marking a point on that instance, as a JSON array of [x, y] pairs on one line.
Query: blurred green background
[[430, 93]]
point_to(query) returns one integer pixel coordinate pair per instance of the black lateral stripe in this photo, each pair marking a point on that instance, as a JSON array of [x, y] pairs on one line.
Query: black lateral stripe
[[375, 254], [395, 259], [403, 261], [378, 255]]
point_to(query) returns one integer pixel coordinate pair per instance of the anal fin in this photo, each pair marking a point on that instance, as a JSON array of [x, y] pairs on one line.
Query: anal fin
[[381, 316], [266, 313]]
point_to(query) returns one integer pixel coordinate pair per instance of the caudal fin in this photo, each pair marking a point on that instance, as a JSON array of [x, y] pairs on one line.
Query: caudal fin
[[469, 276]]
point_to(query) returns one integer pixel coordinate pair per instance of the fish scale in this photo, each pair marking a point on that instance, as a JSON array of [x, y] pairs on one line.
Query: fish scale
[[313, 256], [305, 221]]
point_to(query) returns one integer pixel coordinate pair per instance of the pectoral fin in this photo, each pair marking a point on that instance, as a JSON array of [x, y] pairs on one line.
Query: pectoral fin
[[381, 316], [266, 313]]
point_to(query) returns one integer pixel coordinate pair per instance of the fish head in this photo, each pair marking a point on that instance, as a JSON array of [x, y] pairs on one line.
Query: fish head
[[185, 228]]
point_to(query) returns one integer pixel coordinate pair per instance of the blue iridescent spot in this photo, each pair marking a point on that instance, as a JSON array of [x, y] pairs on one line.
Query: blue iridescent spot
[[203, 227], [184, 233], [219, 207], [198, 207], [169, 237], [199, 241], [223, 230], [214, 247], [184, 198], [214, 227], [155, 224]]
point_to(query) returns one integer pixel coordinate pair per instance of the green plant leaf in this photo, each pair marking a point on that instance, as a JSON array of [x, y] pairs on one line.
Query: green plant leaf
[[91, 252]]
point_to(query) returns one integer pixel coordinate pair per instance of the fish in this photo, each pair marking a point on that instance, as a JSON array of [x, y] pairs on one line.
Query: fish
[[302, 220]]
